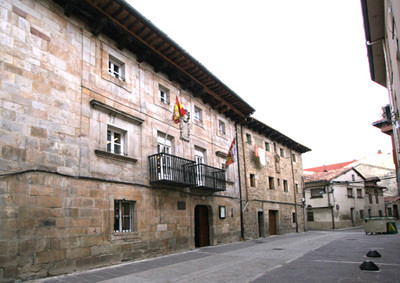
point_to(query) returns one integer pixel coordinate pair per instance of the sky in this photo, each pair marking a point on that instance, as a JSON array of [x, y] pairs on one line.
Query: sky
[[302, 65]]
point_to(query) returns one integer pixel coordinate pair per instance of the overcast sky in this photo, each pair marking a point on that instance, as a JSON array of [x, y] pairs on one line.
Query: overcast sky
[[301, 64]]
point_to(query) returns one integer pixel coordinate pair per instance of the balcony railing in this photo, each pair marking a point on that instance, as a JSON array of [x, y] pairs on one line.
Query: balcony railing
[[172, 170], [209, 178], [169, 169]]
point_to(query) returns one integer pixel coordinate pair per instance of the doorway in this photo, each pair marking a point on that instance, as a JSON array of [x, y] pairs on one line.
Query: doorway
[[201, 226], [260, 218], [272, 214], [396, 211]]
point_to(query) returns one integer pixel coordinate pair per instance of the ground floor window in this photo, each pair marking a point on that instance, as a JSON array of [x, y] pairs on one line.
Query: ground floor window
[[123, 216], [310, 216]]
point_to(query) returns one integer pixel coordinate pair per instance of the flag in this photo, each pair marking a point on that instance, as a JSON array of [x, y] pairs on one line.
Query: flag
[[179, 111], [260, 154], [231, 154]]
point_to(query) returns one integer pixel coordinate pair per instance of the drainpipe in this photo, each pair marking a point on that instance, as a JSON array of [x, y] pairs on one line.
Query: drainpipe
[[294, 190], [240, 186], [330, 191]]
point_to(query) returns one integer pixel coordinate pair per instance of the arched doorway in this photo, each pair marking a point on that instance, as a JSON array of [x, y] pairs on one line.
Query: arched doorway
[[201, 226]]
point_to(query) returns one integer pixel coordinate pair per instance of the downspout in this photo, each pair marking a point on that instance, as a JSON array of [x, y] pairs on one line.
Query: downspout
[[240, 186], [294, 190], [304, 203], [330, 191]]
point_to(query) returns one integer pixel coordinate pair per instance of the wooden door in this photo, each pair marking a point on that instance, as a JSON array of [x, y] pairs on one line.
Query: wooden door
[[272, 222], [202, 229]]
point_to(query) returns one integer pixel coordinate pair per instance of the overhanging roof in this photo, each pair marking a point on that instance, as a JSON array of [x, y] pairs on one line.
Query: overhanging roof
[[122, 23], [374, 26]]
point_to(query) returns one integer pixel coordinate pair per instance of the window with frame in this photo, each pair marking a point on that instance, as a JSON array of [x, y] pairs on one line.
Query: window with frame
[[294, 217], [267, 147], [248, 138], [359, 193], [350, 193], [115, 141], [377, 198], [297, 188], [389, 211], [279, 182], [116, 68], [123, 216], [310, 216], [353, 178], [198, 114], [271, 183], [370, 198], [221, 127], [317, 193], [163, 94], [252, 180], [294, 157], [285, 186], [282, 152], [275, 149], [361, 214]]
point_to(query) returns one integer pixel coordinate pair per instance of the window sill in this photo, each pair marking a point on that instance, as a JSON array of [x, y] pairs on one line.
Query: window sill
[[106, 154]]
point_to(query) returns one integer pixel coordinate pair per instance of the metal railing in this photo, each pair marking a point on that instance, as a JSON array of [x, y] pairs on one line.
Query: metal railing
[[209, 178]]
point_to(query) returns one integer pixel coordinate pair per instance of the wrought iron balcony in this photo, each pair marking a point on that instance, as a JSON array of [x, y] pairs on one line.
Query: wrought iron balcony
[[173, 170], [209, 178]]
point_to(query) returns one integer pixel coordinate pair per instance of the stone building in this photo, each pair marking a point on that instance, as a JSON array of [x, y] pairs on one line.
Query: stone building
[[342, 197], [272, 181], [93, 171]]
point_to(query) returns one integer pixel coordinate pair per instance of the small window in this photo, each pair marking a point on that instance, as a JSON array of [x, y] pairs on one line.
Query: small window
[[271, 183], [310, 216], [370, 198], [198, 114], [377, 199], [353, 177], [350, 192], [389, 211], [285, 186], [252, 180], [221, 127], [380, 213], [294, 157], [115, 141], [164, 95], [317, 193], [294, 217], [275, 150], [248, 138], [359, 193], [297, 188], [282, 152], [123, 216], [116, 68], [279, 182], [267, 147]]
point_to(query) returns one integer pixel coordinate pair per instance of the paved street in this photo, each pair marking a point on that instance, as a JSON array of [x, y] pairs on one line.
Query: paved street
[[316, 256]]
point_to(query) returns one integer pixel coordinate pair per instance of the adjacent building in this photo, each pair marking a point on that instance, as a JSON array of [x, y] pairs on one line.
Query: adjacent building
[[93, 171]]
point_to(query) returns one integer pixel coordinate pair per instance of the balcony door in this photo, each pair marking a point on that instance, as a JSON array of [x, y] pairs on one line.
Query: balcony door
[[165, 161], [199, 155]]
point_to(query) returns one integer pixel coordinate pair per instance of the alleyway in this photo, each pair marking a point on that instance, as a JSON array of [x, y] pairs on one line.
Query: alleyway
[[314, 256]]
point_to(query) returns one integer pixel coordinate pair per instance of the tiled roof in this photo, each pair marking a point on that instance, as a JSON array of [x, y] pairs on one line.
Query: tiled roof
[[325, 176], [329, 167], [391, 199]]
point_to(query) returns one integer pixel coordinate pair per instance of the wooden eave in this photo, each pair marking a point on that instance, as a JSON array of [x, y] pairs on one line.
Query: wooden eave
[[261, 128], [122, 23]]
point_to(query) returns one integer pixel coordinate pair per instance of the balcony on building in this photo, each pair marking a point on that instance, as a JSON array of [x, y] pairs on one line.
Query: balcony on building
[[168, 169]]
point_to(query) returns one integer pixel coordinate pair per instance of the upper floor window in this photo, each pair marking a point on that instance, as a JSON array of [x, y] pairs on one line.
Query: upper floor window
[[271, 183], [123, 216], [164, 143], [221, 127], [198, 114], [267, 146], [317, 193], [282, 152], [115, 141], [248, 138], [353, 177], [275, 150], [252, 180], [285, 186], [297, 188], [294, 157], [359, 193], [350, 192], [116, 68], [164, 94]]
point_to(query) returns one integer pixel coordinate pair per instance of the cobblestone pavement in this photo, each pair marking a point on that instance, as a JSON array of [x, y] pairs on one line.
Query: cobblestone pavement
[[315, 256]]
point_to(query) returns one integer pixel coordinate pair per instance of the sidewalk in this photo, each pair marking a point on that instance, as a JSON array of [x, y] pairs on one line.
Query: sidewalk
[[314, 256]]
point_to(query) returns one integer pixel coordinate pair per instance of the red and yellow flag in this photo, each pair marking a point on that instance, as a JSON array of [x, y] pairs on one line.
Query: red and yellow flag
[[231, 154], [179, 111]]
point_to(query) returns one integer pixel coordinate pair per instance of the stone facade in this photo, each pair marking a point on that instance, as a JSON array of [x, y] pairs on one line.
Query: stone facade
[[60, 184], [272, 193]]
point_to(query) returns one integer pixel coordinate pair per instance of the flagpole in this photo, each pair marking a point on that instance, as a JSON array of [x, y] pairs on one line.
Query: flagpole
[[240, 186], [166, 136]]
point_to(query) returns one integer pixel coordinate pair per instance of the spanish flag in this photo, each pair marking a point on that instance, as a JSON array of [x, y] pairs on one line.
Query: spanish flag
[[179, 112], [231, 154]]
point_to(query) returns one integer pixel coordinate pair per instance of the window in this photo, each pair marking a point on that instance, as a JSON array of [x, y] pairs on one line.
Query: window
[[294, 217], [252, 180], [271, 183], [164, 143], [248, 138], [279, 182], [282, 152], [181, 205], [376, 198], [380, 213], [294, 157], [123, 216], [115, 141], [310, 216], [370, 198], [200, 158], [317, 193], [285, 186], [359, 193], [164, 94], [116, 68], [267, 146], [275, 148], [221, 127], [297, 188], [361, 214], [353, 177], [198, 114], [350, 192], [389, 211]]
